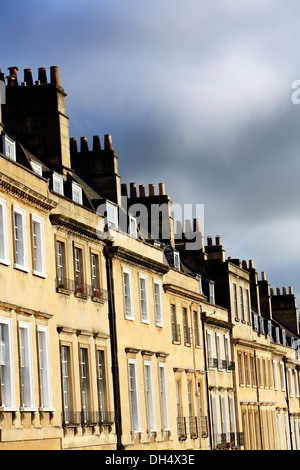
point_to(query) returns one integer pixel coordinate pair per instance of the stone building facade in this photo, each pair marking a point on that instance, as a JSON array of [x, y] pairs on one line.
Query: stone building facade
[[115, 334]]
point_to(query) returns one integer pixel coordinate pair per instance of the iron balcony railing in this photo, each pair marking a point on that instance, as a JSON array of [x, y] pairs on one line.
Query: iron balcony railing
[[181, 429], [220, 364], [193, 425], [203, 426], [230, 440], [81, 418], [64, 285]]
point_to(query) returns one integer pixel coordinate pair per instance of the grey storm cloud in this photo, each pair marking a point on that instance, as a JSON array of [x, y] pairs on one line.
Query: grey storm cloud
[[195, 94]]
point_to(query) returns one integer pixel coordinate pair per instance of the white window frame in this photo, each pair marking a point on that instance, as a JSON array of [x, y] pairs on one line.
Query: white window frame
[[163, 393], [132, 226], [37, 167], [111, 215], [210, 348], [177, 260], [227, 348], [290, 382], [26, 355], [279, 427], [8, 351], [242, 308], [9, 147], [134, 407], [145, 317], [45, 376], [158, 307], [282, 375], [58, 180], [4, 239], [296, 382], [211, 289], [149, 397], [219, 351], [76, 193], [275, 374], [40, 247], [24, 266], [128, 315], [248, 305]]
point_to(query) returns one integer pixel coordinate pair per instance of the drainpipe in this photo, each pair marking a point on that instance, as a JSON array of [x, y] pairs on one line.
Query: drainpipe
[[207, 391], [114, 349], [287, 400], [257, 395]]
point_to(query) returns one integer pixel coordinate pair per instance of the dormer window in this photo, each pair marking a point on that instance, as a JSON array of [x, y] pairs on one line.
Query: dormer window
[[176, 260], [111, 215], [37, 167], [132, 226], [58, 183], [9, 147], [76, 193]]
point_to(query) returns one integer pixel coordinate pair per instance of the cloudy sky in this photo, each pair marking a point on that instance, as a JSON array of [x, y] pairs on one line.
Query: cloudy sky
[[196, 94]]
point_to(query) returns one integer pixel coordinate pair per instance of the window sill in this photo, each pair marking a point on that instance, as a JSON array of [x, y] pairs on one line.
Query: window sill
[[21, 268], [39, 274], [129, 318], [5, 261], [29, 409]]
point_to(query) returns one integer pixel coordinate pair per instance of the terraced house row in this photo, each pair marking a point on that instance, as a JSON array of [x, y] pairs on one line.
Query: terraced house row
[[116, 332]]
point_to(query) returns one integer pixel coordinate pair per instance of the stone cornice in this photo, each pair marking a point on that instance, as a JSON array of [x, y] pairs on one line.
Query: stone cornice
[[178, 290], [23, 192], [123, 254], [73, 226]]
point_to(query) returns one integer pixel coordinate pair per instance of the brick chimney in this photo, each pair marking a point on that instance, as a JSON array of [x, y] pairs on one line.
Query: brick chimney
[[36, 113], [154, 210], [99, 166]]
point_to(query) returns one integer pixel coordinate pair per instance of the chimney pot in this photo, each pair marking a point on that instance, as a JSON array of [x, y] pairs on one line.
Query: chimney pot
[[161, 189], [209, 241], [13, 72], [251, 265], [244, 264], [96, 144], [291, 290], [271, 291], [84, 144], [123, 189], [42, 75], [151, 190], [188, 226], [178, 226], [196, 225], [54, 75], [133, 190], [263, 276], [28, 77], [73, 146], [218, 240], [108, 142], [278, 290], [284, 291], [142, 190]]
